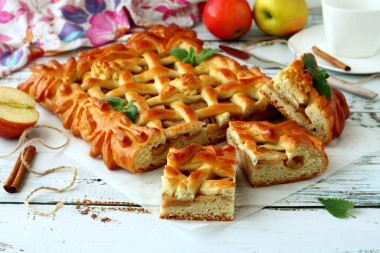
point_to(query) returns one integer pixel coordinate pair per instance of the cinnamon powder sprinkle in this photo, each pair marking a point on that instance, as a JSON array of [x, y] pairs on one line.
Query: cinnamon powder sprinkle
[[105, 219], [85, 211], [130, 209]]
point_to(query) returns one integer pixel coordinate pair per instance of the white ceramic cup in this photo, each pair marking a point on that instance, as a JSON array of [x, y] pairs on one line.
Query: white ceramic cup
[[352, 27]]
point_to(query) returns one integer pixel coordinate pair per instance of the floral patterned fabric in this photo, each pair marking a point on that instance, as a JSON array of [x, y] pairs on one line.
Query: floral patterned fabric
[[33, 28]]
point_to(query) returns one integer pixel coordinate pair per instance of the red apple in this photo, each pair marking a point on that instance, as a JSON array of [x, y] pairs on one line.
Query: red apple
[[227, 19], [17, 112]]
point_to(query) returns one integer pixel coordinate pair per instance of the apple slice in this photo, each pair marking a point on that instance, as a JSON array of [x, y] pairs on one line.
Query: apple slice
[[17, 112]]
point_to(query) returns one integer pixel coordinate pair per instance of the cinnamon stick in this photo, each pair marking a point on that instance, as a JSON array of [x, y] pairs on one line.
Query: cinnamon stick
[[334, 61], [17, 174]]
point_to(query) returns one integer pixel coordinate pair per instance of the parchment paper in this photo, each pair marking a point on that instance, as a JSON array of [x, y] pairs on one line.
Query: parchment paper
[[145, 189]]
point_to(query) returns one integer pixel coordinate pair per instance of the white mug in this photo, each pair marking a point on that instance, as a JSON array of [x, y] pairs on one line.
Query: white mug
[[352, 27]]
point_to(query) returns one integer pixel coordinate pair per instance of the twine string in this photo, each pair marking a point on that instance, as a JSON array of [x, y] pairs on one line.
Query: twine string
[[59, 205]]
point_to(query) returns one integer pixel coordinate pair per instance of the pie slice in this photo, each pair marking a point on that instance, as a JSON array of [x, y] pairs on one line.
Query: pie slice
[[177, 103], [292, 92], [270, 154], [199, 183]]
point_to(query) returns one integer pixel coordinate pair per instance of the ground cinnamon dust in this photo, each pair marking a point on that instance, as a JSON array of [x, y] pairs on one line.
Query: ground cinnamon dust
[[84, 209], [106, 219]]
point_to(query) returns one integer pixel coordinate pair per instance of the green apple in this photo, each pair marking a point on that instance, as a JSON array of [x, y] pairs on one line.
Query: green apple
[[280, 17]]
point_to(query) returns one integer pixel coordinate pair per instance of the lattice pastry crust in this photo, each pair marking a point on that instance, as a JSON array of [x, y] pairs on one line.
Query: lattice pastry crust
[[271, 154], [199, 183], [292, 92], [178, 104]]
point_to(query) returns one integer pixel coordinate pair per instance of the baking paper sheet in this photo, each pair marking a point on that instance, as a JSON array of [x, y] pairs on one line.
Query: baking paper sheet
[[145, 189]]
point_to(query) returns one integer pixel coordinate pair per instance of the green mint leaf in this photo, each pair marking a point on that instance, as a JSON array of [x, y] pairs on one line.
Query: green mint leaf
[[309, 62], [115, 101], [338, 207], [118, 107], [319, 76], [190, 57], [206, 53], [130, 110], [180, 53], [323, 87], [130, 103]]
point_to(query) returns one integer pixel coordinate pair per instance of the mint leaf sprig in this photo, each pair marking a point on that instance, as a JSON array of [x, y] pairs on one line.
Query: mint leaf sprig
[[338, 207], [130, 110], [190, 57], [319, 76]]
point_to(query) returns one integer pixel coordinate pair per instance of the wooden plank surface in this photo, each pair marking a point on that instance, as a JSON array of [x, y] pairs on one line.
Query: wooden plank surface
[[103, 220], [269, 230]]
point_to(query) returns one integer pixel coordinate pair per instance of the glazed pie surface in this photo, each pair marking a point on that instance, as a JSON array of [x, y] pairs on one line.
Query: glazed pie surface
[[292, 92], [270, 154], [199, 183], [177, 103]]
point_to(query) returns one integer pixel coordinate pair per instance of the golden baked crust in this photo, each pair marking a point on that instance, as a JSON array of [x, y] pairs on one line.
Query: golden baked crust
[[271, 154], [177, 103], [292, 92], [199, 183]]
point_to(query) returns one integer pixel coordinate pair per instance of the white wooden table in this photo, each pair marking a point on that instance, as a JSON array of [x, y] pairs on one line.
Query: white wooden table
[[96, 218]]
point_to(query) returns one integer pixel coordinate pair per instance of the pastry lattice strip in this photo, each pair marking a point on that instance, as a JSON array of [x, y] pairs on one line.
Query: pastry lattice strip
[[199, 170], [177, 103], [169, 91]]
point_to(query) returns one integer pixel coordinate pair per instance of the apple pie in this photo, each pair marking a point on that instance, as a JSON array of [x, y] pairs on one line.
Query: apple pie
[[270, 154], [177, 103], [292, 92], [199, 183]]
